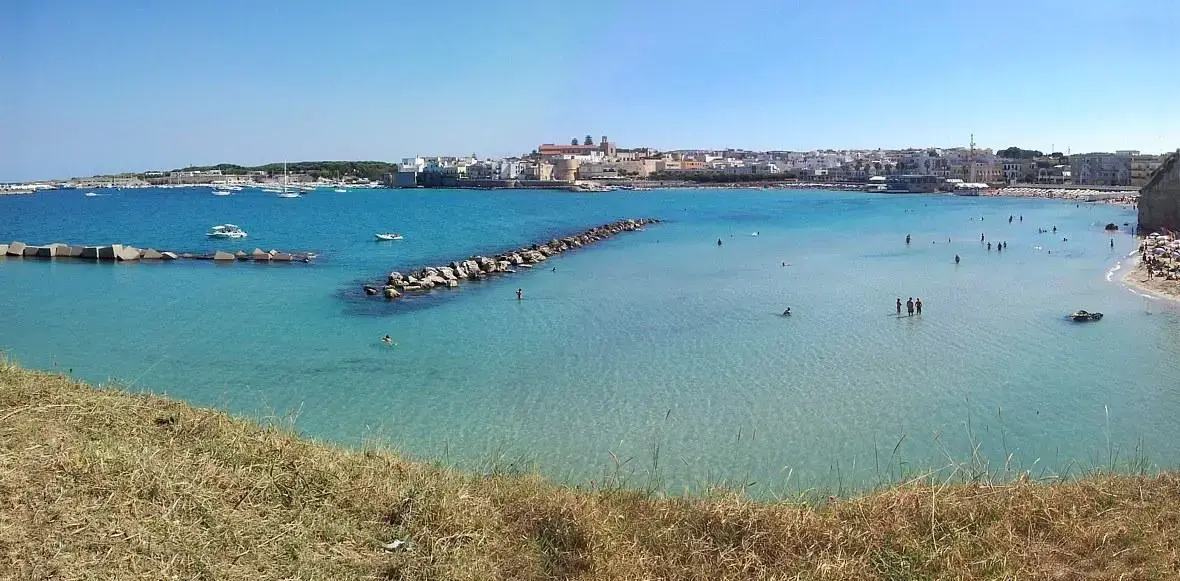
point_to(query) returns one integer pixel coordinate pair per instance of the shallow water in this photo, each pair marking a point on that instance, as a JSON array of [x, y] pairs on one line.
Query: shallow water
[[654, 344]]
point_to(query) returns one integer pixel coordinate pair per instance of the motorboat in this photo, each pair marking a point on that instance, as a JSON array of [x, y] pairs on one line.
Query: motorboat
[[340, 191], [91, 195], [1084, 316], [289, 194], [389, 236], [222, 192], [226, 231]]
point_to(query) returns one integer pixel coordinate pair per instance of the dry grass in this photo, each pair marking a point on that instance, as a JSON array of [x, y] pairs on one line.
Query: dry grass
[[101, 484]]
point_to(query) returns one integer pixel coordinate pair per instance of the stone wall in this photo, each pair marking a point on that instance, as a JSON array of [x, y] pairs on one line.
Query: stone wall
[[1159, 200]]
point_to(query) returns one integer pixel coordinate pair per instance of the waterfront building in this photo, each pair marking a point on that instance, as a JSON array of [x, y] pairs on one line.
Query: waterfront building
[[1143, 166], [1101, 169]]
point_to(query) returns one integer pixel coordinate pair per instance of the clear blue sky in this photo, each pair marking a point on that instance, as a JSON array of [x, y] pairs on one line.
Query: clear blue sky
[[89, 87]]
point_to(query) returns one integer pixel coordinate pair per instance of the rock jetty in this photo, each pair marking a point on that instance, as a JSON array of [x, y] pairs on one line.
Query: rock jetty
[[481, 267], [125, 253]]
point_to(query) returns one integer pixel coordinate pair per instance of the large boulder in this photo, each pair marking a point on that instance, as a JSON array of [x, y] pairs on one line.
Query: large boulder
[[447, 272], [396, 277], [391, 292], [221, 255], [16, 249]]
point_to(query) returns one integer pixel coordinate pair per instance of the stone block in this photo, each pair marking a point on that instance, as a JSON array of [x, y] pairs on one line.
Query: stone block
[[151, 254], [90, 251], [46, 251], [281, 257], [31, 251], [16, 249], [3, 249], [169, 255], [75, 251], [240, 255], [220, 255], [127, 253], [109, 252]]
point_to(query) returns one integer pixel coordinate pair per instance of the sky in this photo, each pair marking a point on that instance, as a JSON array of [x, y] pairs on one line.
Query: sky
[[133, 85]]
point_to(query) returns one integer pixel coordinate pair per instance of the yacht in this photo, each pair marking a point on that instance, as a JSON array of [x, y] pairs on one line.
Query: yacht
[[389, 236], [283, 193], [226, 231]]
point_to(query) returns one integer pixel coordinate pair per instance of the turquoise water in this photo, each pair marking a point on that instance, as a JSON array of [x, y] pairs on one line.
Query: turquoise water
[[655, 344]]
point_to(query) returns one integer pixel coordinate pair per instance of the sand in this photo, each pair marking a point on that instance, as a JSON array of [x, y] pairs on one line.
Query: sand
[[1136, 277]]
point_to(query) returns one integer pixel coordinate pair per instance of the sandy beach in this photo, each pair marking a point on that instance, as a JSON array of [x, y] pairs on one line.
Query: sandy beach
[[1164, 253]]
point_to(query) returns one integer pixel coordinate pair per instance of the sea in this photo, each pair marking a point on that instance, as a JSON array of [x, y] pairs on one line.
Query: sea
[[655, 359]]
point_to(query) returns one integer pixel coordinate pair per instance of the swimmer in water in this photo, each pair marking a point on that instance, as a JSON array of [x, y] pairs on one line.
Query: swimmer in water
[[787, 312], [387, 340]]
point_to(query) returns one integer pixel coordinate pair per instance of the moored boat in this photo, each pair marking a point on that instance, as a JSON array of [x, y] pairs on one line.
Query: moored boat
[[226, 231], [389, 236], [1084, 316]]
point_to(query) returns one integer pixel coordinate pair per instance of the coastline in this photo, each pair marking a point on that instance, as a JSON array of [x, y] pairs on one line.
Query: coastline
[[1136, 278]]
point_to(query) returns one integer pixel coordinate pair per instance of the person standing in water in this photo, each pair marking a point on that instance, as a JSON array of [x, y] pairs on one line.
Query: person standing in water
[[956, 262], [909, 306], [519, 294], [1112, 243], [719, 242], [787, 312], [981, 236], [899, 306], [907, 238], [918, 305]]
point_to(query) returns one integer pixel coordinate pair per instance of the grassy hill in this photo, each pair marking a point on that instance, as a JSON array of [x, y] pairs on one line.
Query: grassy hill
[[103, 484]]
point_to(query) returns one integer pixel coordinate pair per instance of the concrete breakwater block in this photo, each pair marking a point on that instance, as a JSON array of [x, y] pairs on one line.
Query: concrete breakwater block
[[3, 250], [169, 255], [75, 251], [281, 257], [240, 255], [127, 253], [45, 251], [16, 249], [221, 255], [151, 254], [31, 251]]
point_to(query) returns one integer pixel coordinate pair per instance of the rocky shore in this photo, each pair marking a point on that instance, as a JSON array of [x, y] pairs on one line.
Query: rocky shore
[[480, 267], [125, 253]]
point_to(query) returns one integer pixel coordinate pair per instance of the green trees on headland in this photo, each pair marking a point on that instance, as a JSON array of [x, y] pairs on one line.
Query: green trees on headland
[[373, 170]]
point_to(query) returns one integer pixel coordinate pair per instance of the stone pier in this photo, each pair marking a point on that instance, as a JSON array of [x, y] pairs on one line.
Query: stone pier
[[126, 253], [481, 267]]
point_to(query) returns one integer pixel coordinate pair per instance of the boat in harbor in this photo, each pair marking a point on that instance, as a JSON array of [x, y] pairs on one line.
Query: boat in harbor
[[91, 195], [226, 231], [222, 191], [283, 192], [340, 191], [389, 236]]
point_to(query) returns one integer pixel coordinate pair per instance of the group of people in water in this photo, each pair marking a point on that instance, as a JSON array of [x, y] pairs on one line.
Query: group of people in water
[[911, 306]]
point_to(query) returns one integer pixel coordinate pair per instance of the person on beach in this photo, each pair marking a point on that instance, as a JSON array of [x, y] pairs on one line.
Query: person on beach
[[956, 262], [918, 305], [909, 306], [519, 294], [899, 306]]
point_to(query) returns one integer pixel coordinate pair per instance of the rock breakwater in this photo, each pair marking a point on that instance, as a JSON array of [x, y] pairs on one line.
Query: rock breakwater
[[126, 253], [480, 267]]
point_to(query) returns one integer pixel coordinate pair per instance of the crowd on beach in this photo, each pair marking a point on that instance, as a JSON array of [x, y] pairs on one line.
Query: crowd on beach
[[1075, 194], [1160, 256]]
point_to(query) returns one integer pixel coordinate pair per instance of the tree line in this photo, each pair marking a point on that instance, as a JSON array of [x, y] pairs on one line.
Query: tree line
[[372, 170]]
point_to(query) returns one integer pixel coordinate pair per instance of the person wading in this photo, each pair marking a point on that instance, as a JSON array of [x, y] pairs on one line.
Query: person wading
[[909, 306]]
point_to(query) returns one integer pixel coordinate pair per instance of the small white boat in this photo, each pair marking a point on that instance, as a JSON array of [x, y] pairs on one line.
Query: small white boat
[[219, 191], [289, 194], [234, 188], [271, 190], [340, 191], [389, 236], [91, 195], [226, 231]]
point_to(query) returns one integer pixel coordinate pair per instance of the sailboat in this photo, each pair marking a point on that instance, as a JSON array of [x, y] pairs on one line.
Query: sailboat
[[283, 193]]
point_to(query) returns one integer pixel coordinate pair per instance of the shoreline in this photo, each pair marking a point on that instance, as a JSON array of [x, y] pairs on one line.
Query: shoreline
[[1136, 278]]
